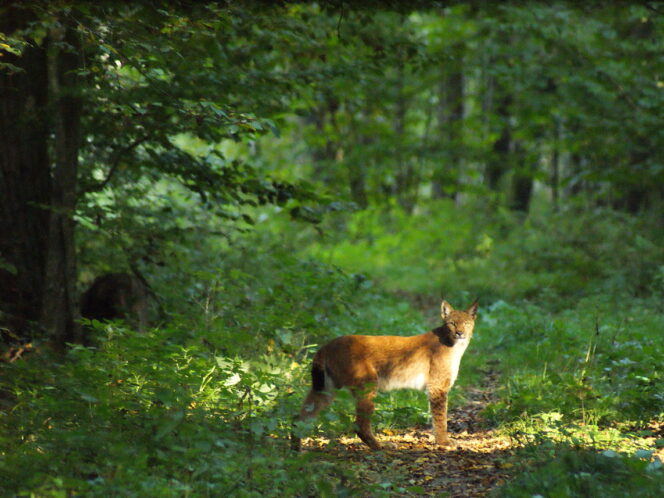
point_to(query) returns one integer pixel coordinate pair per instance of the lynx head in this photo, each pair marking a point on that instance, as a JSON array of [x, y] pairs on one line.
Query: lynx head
[[457, 325]]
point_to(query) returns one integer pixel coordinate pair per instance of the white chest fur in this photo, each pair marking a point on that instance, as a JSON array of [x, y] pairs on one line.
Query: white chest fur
[[455, 360]]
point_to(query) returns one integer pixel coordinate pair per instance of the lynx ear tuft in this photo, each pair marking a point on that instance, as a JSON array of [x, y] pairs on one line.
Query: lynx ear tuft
[[445, 309], [472, 309]]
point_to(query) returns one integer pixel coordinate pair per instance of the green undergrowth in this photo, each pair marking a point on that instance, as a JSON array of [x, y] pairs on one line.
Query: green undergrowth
[[569, 471], [570, 315], [202, 405], [147, 415], [551, 259], [594, 363], [582, 383]]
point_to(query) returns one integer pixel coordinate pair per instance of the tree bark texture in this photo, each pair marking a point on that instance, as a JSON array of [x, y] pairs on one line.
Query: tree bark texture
[[39, 142]]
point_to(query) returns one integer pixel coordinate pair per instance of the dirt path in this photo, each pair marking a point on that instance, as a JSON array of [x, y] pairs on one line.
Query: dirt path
[[472, 466]]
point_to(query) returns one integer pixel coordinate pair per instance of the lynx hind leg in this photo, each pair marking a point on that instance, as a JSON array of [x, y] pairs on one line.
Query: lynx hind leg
[[365, 408], [314, 403]]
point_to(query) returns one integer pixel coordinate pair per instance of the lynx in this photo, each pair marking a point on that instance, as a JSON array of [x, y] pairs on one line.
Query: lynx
[[366, 364]]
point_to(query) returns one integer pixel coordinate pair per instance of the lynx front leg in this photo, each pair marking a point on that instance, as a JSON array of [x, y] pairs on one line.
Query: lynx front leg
[[438, 403], [313, 404], [365, 408]]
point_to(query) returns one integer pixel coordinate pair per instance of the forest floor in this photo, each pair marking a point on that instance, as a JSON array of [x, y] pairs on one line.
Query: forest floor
[[476, 461]]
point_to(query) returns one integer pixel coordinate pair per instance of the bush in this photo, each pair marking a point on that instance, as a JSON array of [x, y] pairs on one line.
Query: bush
[[591, 363], [569, 472], [204, 405], [553, 259], [144, 415]]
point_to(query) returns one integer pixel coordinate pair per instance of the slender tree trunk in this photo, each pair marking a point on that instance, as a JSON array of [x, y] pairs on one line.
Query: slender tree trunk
[[405, 172], [37, 190], [450, 120], [637, 193], [439, 179], [508, 155], [357, 166], [498, 163], [357, 183], [555, 165], [324, 155], [522, 181], [573, 170]]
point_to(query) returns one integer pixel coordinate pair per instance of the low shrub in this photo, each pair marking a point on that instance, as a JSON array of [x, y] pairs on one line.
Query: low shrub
[[560, 470]]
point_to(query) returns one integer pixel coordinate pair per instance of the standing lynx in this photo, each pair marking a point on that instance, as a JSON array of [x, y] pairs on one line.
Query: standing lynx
[[366, 363]]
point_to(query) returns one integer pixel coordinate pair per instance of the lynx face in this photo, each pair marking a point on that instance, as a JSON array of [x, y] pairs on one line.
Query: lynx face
[[457, 325]]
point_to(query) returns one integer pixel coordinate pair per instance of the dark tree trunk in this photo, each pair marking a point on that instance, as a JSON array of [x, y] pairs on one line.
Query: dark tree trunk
[[635, 195], [324, 155], [356, 164], [555, 166], [450, 119], [498, 163], [39, 140], [522, 181], [405, 172]]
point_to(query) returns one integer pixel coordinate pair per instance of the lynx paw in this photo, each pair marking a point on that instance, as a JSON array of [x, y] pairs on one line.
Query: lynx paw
[[443, 442]]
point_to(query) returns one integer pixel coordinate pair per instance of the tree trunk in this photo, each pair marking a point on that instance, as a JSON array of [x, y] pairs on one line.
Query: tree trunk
[[37, 192], [575, 166], [323, 155], [405, 172], [450, 119], [555, 165], [522, 181], [498, 163], [358, 187], [355, 163]]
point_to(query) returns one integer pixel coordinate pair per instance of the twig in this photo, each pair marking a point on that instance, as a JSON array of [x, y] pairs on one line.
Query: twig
[[116, 162]]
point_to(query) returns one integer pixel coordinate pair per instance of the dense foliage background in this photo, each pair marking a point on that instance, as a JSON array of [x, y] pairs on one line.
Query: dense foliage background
[[283, 174]]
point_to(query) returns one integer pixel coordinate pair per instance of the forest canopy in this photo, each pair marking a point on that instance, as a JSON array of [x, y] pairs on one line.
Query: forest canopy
[[246, 104]]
